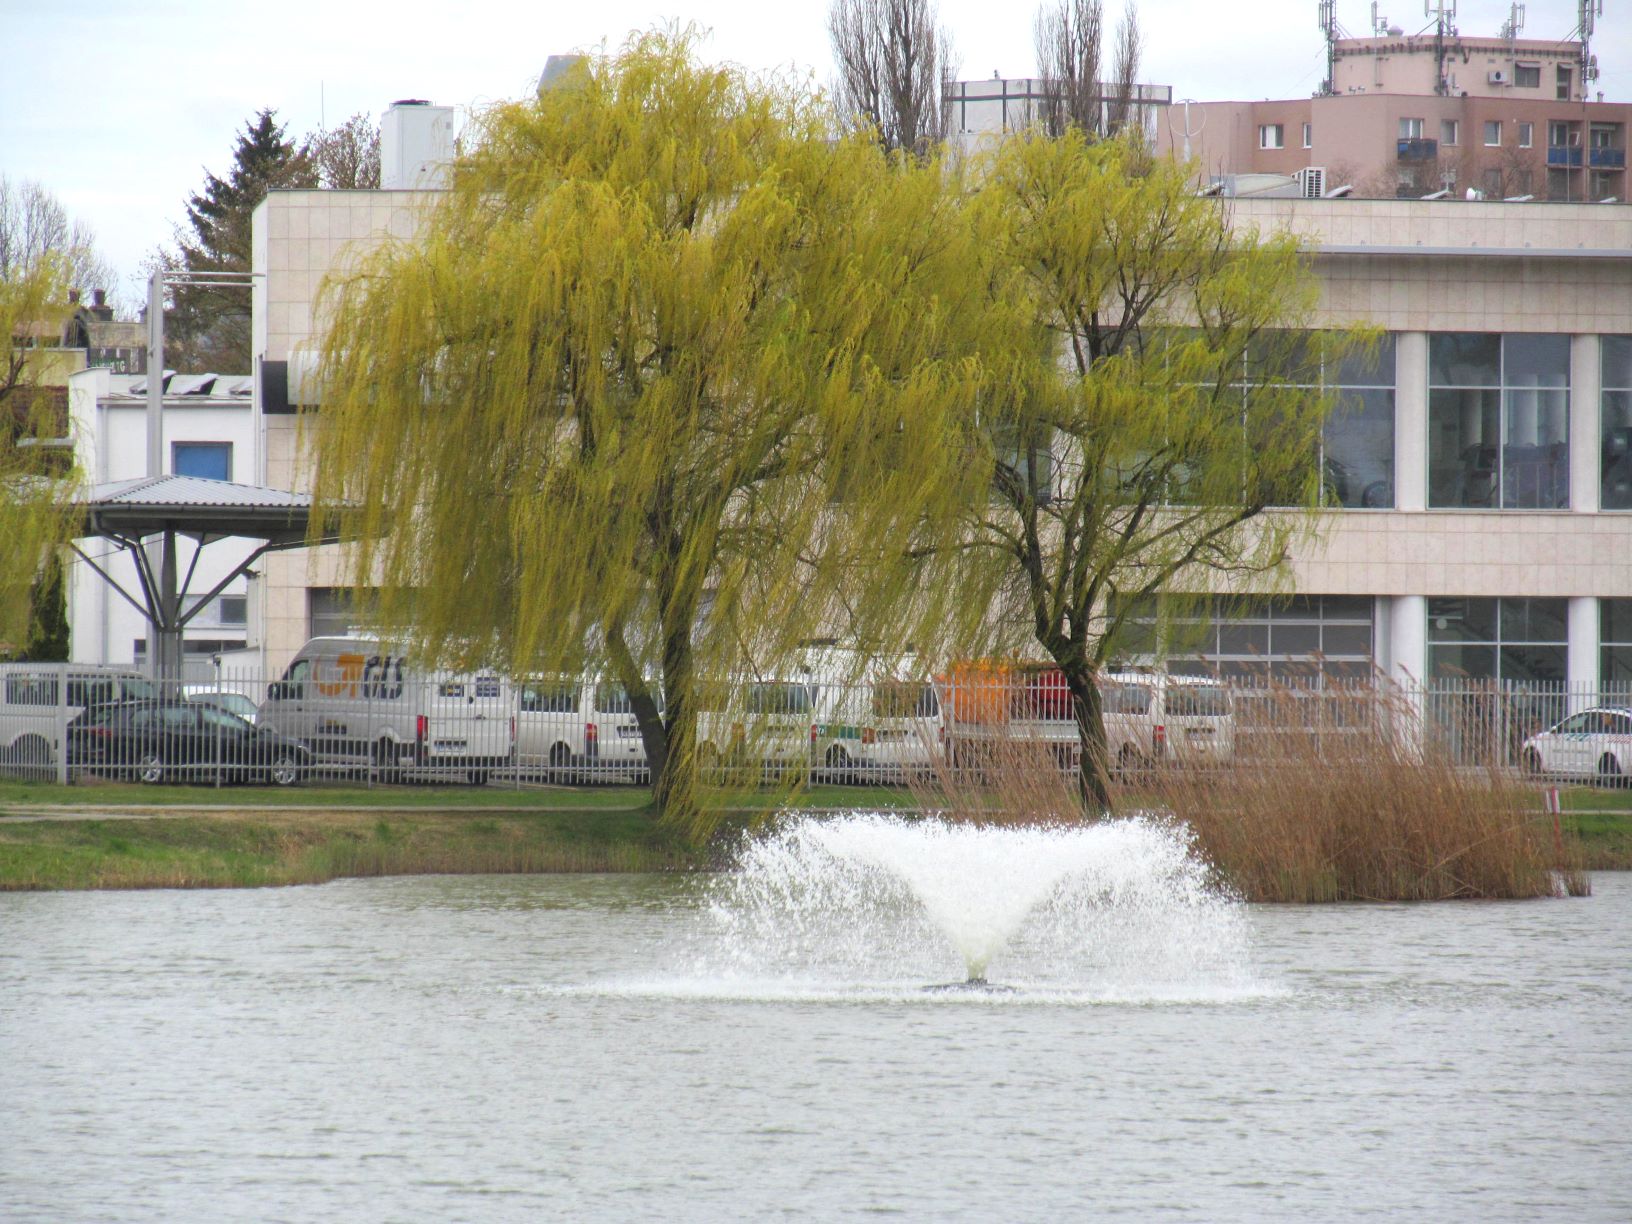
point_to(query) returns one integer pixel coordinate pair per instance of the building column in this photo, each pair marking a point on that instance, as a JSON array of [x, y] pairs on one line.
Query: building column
[[1411, 422], [1581, 665], [1408, 640], [1585, 397]]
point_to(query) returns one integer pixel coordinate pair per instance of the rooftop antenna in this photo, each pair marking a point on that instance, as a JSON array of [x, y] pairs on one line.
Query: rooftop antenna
[[1514, 23], [1587, 12], [1379, 25], [1443, 13], [1332, 32]]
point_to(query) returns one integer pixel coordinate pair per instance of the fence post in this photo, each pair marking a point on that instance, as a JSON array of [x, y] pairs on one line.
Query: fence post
[[62, 725]]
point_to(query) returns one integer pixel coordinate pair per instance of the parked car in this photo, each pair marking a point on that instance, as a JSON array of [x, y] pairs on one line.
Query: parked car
[[1595, 743], [877, 728], [159, 741], [223, 699]]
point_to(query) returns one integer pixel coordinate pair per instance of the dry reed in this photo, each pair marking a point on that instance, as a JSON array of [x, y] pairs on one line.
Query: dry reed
[[1351, 808]]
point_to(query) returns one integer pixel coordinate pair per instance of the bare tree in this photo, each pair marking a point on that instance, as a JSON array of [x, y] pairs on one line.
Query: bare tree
[[894, 60], [34, 224], [1070, 40], [347, 157]]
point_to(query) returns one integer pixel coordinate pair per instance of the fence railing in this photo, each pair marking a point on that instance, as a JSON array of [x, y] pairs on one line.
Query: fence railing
[[368, 719]]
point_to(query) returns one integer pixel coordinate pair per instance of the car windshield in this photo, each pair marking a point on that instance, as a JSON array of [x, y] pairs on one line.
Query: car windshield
[[215, 719], [904, 699]]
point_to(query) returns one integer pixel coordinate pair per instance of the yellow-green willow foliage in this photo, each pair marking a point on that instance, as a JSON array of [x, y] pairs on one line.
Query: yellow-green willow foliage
[[35, 485], [1166, 423], [668, 383]]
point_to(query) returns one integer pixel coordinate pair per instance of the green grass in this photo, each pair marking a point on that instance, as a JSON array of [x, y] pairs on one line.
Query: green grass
[[252, 850], [429, 797]]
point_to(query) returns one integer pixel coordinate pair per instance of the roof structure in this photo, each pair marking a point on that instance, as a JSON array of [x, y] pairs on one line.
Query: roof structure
[[130, 512], [198, 508]]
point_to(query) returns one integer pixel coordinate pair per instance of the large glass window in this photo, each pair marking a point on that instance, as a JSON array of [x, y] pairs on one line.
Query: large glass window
[[1498, 421], [1498, 639], [1615, 646], [1356, 455], [1295, 639], [1615, 423]]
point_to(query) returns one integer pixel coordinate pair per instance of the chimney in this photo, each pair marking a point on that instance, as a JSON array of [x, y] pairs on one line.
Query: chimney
[[99, 305], [416, 145]]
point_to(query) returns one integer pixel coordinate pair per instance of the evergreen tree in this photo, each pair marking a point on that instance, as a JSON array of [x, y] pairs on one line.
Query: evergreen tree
[[207, 328]]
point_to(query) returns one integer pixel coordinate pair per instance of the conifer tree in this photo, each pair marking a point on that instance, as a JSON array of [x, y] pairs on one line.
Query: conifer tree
[[207, 328]]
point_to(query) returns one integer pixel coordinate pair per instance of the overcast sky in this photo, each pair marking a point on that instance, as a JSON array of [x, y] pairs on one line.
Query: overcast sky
[[119, 106]]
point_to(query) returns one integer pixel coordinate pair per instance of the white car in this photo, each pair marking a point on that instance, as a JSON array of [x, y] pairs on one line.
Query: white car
[[1595, 743]]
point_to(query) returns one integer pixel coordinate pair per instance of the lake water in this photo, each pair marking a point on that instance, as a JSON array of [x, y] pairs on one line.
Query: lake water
[[517, 1048]]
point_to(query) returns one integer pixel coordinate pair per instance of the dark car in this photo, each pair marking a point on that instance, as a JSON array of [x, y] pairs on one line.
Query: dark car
[[157, 741]]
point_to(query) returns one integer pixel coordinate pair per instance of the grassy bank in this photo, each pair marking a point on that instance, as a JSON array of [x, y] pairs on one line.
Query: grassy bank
[[1328, 843], [247, 850]]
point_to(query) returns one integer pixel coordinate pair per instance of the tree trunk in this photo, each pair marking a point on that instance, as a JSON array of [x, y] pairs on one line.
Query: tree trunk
[[1093, 778]]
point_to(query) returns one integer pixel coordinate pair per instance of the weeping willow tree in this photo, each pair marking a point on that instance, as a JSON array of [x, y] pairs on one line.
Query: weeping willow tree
[[35, 482], [1170, 439], [667, 369]]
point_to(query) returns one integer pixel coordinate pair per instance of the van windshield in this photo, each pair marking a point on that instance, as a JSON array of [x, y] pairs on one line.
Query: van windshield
[[1198, 701]]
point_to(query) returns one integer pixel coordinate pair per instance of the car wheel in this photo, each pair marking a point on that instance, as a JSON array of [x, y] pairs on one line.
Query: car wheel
[[1532, 763], [839, 768], [1127, 762], [387, 762], [1609, 772], [560, 763], [286, 769], [150, 768], [478, 777]]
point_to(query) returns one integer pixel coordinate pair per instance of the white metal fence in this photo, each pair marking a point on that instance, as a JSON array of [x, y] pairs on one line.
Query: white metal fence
[[367, 719]]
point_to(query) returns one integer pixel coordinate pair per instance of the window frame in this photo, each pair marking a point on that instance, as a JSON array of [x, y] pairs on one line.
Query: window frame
[[1493, 127], [1277, 130]]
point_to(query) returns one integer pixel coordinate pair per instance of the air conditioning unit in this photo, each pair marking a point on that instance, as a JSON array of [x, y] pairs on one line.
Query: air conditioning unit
[[1498, 77], [1312, 182]]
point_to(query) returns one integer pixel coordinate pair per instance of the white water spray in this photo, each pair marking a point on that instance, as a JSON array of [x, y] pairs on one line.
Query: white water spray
[[1119, 909]]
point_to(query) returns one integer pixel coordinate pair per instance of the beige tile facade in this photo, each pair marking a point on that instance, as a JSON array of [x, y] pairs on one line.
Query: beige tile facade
[[1411, 267]]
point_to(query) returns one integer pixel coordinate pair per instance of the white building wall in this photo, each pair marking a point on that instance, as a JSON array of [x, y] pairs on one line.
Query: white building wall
[[109, 427]]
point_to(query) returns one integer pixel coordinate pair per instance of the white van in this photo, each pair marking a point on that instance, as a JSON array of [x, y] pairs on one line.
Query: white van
[[1152, 717], [746, 722], [353, 701], [578, 730], [878, 727], [38, 699]]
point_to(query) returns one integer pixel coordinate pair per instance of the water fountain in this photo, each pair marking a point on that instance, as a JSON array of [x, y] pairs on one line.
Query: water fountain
[[1121, 908]]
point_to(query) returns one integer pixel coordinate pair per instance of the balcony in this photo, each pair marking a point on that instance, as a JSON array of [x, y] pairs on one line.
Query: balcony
[[1417, 150], [1563, 155], [1608, 159]]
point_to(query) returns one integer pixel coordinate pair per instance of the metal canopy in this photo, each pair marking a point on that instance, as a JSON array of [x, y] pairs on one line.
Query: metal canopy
[[134, 514]]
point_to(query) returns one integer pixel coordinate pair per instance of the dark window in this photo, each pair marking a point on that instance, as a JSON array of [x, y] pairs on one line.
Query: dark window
[[1615, 423], [1498, 639], [1498, 421]]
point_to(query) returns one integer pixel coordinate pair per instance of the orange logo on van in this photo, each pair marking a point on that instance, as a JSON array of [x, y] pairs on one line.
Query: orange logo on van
[[342, 681]]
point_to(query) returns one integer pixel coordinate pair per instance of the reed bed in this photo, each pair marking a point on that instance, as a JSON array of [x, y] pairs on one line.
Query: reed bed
[[1351, 809]]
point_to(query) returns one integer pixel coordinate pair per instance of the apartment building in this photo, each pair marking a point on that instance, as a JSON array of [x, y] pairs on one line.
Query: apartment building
[[1412, 115]]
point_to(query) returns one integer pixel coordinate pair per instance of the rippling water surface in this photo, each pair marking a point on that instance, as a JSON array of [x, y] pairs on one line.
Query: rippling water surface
[[497, 1048]]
